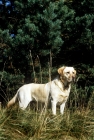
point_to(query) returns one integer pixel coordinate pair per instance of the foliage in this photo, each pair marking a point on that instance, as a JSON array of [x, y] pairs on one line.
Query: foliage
[[9, 85], [63, 27]]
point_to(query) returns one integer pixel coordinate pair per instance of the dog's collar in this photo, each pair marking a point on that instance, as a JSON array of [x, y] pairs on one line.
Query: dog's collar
[[65, 87], [65, 84]]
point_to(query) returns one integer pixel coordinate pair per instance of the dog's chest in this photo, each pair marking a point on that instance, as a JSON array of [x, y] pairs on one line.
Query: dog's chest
[[63, 96], [62, 99], [60, 94]]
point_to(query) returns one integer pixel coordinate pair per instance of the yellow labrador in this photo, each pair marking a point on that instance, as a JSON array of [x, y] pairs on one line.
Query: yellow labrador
[[57, 91]]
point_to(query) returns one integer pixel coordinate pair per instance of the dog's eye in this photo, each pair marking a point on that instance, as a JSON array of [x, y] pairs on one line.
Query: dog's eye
[[73, 72], [68, 72]]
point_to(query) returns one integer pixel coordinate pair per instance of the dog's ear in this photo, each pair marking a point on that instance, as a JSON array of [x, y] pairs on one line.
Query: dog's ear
[[74, 76], [75, 72], [60, 70]]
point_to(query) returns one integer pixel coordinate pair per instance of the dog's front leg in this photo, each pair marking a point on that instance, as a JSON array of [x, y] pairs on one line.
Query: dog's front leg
[[62, 106], [53, 107]]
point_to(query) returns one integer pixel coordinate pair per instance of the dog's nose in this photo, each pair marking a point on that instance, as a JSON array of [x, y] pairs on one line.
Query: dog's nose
[[70, 79]]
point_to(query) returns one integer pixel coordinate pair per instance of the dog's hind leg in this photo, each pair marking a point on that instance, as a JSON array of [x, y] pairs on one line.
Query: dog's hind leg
[[24, 100], [23, 105]]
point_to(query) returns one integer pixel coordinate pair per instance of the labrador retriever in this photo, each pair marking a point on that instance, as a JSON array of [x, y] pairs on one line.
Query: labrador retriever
[[57, 91]]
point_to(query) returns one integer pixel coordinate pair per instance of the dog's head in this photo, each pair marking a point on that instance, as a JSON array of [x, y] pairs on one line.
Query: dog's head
[[67, 74]]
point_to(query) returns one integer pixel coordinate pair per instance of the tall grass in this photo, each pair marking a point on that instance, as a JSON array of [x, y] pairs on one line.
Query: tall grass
[[77, 123], [30, 125]]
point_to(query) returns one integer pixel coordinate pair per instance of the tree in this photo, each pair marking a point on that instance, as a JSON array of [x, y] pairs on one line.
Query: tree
[[59, 30]]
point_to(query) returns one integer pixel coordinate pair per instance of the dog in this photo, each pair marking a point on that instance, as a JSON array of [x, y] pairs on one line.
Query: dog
[[57, 91]]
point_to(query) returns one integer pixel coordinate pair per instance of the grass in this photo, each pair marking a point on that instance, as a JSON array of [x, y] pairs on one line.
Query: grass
[[30, 125]]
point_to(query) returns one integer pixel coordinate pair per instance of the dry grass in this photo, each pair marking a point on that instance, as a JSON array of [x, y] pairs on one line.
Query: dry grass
[[30, 125]]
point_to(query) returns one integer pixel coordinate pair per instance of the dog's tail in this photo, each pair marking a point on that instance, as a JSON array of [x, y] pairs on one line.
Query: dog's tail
[[13, 100]]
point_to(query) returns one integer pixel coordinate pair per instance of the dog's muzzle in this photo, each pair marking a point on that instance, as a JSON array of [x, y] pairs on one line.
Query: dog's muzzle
[[71, 79]]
